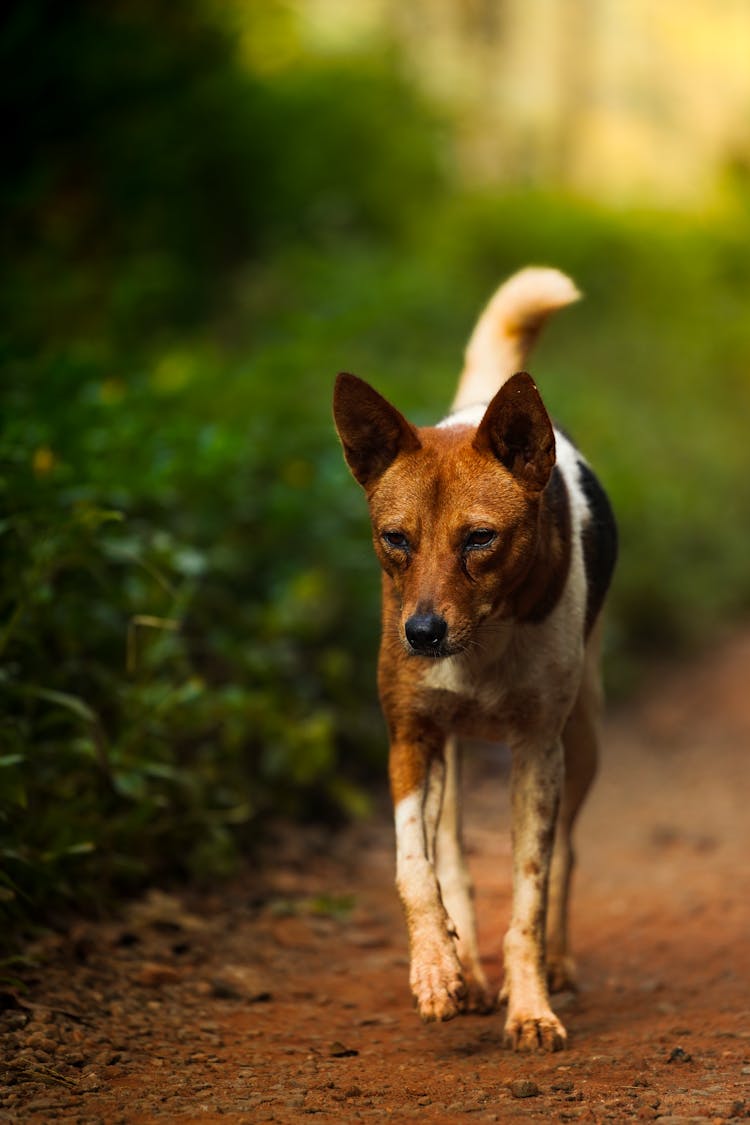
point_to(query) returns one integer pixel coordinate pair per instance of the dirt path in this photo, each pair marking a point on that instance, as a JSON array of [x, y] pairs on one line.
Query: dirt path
[[286, 995]]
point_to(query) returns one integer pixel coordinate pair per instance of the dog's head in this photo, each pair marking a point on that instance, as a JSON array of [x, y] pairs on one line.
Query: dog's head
[[455, 509]]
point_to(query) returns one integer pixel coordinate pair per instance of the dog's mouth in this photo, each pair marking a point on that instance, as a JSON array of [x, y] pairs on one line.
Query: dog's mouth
[[433, 652]]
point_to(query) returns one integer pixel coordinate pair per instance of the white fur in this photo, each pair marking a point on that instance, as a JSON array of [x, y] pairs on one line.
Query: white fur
[[435, 972], [511, 320], [412, 867], [467, 416]]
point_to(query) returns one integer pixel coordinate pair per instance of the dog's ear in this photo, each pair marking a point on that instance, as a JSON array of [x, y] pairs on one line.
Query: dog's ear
[[516, 429], [372, 432]]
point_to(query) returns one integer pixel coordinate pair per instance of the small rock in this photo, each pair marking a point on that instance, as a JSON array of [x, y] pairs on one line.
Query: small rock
[[222, 990], [523, 1088], [74, 1058], [161, 911], [15, 1021], [8, 1001], [736, 1108], [40, 1040], [339, 1051], [241, 982], [679, 1055], [152, 974]]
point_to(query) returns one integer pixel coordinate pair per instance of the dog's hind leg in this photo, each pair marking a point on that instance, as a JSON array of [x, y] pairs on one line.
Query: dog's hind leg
[[455, 884], [581, 745], [536, 781]]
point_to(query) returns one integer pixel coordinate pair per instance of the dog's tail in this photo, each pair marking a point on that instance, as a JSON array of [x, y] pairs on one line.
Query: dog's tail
[[507, 329]]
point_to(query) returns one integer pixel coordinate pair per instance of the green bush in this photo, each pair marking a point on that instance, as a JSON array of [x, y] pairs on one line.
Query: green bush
[[173, 662], [180, 660]]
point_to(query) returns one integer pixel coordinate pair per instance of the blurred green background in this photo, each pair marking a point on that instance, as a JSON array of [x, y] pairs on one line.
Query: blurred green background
[[209, 209]]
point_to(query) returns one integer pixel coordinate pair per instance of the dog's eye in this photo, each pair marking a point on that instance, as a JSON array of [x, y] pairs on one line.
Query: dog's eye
[[482, 537], [395, 539]]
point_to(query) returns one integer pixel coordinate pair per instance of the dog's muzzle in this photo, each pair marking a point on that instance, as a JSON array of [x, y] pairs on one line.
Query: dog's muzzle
[[425, 633]]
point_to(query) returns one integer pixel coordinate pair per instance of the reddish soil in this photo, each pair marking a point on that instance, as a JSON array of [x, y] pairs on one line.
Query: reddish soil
[[285, 995]]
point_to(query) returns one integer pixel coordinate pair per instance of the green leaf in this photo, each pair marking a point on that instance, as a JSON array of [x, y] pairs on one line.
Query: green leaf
[[72, 703], [85, 847]]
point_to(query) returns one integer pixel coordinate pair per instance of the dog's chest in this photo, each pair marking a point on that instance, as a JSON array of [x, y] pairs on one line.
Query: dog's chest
[[475, 706], [507, 699]]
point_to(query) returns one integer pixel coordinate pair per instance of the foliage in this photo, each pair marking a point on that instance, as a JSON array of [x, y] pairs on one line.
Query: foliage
[[178, 661], [188, 603]]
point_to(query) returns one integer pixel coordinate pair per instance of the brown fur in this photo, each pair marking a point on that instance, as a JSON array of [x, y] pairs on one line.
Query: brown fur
[[442, 482]]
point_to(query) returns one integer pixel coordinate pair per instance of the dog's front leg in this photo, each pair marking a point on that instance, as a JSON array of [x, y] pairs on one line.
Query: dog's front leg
[[535, 783], [417, 777]]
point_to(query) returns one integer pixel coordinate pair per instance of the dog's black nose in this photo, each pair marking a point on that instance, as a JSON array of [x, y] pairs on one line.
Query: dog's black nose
[[425, 633]]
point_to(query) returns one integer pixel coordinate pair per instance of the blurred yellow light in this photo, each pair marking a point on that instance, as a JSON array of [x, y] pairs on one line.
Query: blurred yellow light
[[43, 461], [173, 372], [112, 391]]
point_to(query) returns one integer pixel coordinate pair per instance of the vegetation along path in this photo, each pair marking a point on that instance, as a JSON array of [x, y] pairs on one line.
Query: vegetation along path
[[285, 994]]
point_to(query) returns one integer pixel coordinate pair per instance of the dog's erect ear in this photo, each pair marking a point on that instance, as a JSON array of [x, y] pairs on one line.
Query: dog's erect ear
[[372, 432], [516, 429]]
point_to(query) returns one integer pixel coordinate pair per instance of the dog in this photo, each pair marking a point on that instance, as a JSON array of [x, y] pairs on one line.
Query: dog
[[497, 545]]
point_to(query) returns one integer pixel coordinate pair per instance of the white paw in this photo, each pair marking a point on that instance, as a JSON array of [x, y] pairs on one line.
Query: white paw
[[534, 1032], [437, 983]]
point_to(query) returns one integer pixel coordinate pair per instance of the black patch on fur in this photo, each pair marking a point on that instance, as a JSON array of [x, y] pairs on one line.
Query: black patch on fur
[[599, 537], [558, 506]]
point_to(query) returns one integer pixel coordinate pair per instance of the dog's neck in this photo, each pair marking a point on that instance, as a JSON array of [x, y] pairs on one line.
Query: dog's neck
[[543, 585]]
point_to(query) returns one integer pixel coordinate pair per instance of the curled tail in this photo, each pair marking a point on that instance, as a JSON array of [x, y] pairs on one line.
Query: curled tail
[[507, 329]]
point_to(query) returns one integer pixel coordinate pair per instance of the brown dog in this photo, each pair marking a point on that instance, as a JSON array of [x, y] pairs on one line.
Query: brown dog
[[497, 546]]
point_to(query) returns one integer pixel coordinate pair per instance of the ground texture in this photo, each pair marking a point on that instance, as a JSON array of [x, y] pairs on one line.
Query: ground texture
[[285, 994]]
